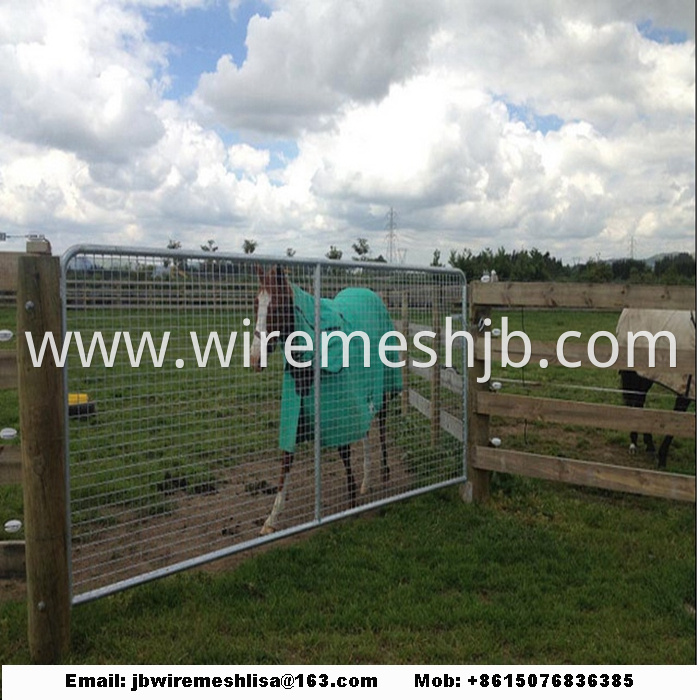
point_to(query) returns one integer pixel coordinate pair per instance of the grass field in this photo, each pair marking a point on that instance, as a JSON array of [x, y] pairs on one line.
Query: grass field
[[543, 573]]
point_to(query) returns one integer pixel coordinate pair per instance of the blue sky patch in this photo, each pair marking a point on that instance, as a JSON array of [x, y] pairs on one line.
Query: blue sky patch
[[199, 37], [661, 35], [534, 122]]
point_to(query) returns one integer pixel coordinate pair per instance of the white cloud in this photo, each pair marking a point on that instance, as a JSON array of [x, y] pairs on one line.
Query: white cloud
[[251, 161], [307, 60], [79, 77], [430, 108]]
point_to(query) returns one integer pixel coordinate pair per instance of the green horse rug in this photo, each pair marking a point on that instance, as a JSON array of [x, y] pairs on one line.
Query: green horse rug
[[355, 381]]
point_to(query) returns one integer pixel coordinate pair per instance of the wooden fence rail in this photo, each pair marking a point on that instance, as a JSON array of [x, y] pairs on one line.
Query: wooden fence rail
[[601, 297], [590, 415], [596, 474]]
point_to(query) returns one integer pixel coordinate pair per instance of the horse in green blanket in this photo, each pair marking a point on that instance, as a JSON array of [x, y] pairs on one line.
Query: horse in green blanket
[[353, 392]]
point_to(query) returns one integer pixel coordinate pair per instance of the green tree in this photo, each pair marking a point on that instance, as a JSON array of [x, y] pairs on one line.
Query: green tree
[[334, 253], [362, 249], [675, 269], [249, 246], [172, 245], [436, 259]]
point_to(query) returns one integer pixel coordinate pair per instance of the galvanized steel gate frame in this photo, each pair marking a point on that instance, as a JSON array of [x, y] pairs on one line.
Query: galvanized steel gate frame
[[319, 267]]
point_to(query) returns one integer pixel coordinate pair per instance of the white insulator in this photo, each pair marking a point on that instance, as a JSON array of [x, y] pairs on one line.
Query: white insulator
[[12, 526]]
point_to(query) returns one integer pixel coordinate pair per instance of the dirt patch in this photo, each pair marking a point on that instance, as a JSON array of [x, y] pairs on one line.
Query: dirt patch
[[13, 589], [185, 521]]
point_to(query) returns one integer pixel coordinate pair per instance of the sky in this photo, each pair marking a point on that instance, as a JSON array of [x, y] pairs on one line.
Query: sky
[[560, 125]]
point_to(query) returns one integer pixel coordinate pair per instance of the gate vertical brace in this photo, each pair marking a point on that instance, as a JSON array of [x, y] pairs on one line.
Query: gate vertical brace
[[405, 370], [42, 419], [317, 388], [66, 433], [465, 385], [435, 382]]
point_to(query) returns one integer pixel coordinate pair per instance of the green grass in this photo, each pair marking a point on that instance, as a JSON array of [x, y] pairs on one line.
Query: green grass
[[543, 574]]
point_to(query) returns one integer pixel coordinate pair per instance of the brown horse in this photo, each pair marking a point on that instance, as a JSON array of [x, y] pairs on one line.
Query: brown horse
[[352, 394]]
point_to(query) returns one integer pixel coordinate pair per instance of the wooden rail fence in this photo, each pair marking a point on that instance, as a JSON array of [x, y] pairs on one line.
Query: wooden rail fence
[[483, 404]]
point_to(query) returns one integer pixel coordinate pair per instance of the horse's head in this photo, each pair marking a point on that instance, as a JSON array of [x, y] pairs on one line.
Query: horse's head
[[274, 311]]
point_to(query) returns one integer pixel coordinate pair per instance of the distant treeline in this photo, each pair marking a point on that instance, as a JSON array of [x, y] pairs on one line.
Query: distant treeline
[[535, 266]]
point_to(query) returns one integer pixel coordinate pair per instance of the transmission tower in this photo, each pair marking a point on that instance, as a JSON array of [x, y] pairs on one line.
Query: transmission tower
[[391, 236]]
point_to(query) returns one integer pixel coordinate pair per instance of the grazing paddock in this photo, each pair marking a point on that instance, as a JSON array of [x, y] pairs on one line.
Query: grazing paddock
[[544, 573]]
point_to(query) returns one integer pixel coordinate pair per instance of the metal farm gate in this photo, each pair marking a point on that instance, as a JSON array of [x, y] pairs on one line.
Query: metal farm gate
[[173, 445]]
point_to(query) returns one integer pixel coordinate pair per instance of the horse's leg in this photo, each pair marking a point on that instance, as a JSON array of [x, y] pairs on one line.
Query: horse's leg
[[681, 405], [344, 451], [381, 418], [367, 466], [634, 394], [270, 525]]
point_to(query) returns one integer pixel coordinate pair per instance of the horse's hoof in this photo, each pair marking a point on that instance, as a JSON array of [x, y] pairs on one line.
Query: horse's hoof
[[633, 449], [267, 529]]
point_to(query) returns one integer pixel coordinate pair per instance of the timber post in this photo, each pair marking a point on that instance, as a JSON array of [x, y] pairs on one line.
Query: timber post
[[42, 416], [478, 486]]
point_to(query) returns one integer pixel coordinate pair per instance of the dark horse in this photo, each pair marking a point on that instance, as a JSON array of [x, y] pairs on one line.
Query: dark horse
[[636, 385], [353, 391]]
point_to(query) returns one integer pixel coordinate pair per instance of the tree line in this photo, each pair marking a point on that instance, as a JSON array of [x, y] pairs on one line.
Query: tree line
[[535, 266], [530, 265]]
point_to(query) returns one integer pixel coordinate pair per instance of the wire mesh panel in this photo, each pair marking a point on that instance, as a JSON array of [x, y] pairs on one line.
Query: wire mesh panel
[[220, 401]]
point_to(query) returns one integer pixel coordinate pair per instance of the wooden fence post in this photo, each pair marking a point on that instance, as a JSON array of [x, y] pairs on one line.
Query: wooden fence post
[[478, 485], [42, 417]]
